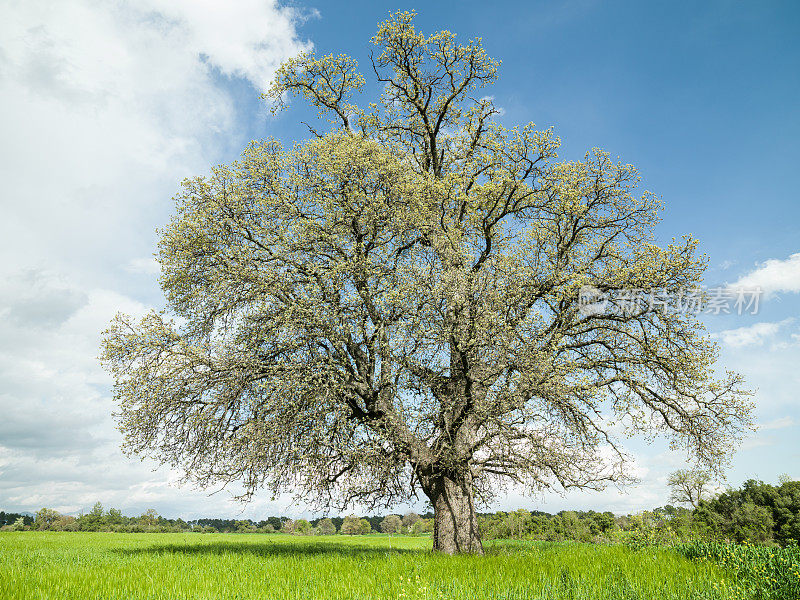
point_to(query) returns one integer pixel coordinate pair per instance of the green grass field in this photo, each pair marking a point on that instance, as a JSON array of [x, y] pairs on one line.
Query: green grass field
[[115, 566]]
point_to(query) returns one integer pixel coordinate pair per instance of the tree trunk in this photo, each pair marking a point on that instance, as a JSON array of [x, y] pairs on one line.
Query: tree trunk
[[455, 524]]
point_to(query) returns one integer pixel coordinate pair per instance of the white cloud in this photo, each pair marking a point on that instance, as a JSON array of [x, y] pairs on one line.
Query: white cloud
[[143, 266], [247, 38], [104, 108], [751, 335], [773, 276], [39, 299]]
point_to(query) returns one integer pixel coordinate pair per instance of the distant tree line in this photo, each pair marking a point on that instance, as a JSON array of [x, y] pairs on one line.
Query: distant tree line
[[112, 519], [12, 519], [757, 512]]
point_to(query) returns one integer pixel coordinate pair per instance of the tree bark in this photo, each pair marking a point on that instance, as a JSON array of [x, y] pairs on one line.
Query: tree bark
[[455, 524]]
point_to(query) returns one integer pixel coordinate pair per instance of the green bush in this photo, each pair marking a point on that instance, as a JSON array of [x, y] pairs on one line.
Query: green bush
[[763, 573]]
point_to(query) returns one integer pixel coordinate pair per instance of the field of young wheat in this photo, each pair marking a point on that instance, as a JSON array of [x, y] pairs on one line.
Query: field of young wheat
[[113, 566]]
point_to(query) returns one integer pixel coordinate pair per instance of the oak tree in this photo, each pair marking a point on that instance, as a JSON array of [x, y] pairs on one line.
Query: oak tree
[[690, 486], [409, 519], [46, 519], [326, 527], [393, 306], [391, 524]]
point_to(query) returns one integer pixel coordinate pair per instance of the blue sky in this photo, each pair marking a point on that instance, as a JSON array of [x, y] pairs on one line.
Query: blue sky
[[105, 108]]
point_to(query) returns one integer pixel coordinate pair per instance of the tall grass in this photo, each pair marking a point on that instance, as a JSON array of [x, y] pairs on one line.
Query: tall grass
[[757, 572], [112, 566]]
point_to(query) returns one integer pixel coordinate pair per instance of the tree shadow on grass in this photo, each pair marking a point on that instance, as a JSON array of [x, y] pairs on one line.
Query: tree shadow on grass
[[266, 549]]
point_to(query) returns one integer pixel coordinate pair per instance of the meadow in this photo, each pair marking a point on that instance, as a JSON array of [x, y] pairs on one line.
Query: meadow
[[113, 566]]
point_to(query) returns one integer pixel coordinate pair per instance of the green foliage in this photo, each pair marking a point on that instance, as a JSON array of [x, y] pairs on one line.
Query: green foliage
[[46, 518], [302, 527], [566, 525], [391, 524], [326, 527], [350, 525], [7, 519], [758, 513], [421, 526], [364, 527], [757, 572], [244, 527], [409, 520]]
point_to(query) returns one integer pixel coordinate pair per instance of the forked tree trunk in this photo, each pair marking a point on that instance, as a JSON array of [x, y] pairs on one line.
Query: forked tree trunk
[[455, 524]]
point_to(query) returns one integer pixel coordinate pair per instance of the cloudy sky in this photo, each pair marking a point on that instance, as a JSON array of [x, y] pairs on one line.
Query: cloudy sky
[[106, 106]]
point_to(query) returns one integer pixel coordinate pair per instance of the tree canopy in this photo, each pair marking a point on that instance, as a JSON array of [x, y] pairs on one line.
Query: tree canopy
[[690, 486], [392, 306]]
